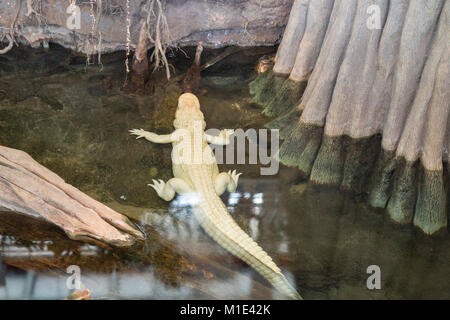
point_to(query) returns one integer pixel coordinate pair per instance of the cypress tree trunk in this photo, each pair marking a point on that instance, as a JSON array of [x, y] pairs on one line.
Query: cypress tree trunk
[[374, 114]]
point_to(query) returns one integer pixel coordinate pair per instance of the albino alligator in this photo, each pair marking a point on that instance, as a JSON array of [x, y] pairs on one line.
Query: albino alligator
[[196, 172]]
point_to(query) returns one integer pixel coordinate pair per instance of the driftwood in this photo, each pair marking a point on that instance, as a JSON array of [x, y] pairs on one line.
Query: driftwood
[[27, 187]]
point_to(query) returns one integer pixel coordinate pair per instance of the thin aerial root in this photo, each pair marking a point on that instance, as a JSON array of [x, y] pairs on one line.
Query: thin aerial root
[[159, 36], [9, 46]]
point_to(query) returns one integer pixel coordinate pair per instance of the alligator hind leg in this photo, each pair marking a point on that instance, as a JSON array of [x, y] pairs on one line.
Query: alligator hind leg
[[226, 181], [167, 190]]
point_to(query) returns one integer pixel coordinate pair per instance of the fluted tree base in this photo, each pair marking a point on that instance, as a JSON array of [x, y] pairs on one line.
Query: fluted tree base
[[285, 98], [374, 116], [409, 193]]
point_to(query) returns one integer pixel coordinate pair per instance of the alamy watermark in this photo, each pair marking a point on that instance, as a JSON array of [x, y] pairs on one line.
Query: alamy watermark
[[260, 151], [374, 280], [226, 146], [374, 20], [73, 282], [74, 20]]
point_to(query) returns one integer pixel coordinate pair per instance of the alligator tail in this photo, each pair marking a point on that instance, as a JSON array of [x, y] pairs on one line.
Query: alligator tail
[[218, 223]]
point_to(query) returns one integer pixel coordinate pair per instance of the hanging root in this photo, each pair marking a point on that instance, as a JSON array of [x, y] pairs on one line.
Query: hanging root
[[329, 163], [36, 20], [97, 31], [30, 9], [94, 41], [10, 37], [159, 36], [34, 8], [9, 46], [430, 212]]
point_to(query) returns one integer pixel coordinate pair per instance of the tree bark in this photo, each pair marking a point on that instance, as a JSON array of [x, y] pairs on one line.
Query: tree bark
[[292, 89], [285, 58], [317, 97], [414, 47], [375, 107], [311, 42]]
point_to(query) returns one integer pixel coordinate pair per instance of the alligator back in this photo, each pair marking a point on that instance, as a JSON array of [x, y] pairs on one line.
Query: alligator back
[[218, 223], [214, 218]]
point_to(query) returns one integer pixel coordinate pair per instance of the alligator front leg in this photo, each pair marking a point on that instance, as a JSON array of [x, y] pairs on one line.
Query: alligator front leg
[[168, 190], [222, 139], [153, 137], [226, 181]]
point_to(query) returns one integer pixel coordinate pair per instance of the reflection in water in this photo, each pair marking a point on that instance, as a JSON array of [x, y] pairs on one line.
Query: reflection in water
[[322, 239], [213, 272]]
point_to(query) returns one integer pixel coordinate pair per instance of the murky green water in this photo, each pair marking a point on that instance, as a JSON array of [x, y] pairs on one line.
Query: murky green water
[[75, 120]]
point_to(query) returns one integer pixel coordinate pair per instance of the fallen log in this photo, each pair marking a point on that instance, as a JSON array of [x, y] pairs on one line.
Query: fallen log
[[29, 188]]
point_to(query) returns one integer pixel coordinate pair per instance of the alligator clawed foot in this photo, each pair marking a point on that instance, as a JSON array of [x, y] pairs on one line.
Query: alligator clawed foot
[[158, 186], [140, 133], [234, 176]]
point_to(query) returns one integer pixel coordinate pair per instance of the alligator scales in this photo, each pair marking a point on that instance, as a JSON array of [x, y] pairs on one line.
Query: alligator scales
[[195, 171]]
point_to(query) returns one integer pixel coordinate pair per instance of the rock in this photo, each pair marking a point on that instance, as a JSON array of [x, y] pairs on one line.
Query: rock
[[79, 295], [215, 23]]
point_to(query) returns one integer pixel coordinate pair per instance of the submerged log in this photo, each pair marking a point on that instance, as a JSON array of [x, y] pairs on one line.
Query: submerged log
[[376, 106], [27, 187]]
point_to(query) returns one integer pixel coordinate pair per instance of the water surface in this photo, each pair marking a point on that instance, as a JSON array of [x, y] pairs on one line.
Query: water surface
[[74, 119]]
